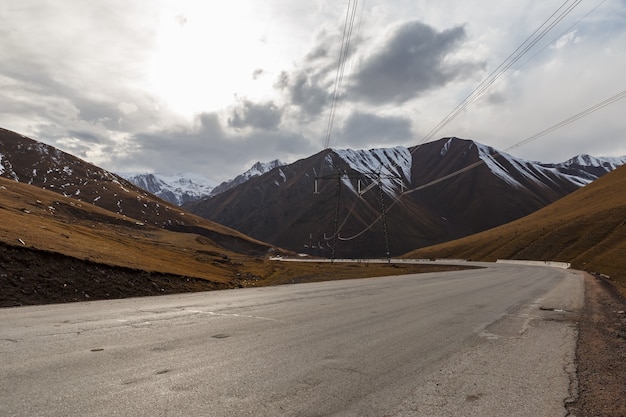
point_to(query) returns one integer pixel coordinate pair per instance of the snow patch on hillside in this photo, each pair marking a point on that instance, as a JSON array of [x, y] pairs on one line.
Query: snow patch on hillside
[[393, 165], [486, 154], [177, 189], [588, 160], [542, 173], [256, 170], [261, 168], [446, 147]]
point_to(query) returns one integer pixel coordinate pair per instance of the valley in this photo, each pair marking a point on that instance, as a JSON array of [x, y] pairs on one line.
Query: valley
[[298, 206], [72, 232]]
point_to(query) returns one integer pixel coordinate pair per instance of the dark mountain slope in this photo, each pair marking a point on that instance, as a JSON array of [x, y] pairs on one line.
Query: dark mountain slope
[[28, 161], [586, 228], [280, 207]]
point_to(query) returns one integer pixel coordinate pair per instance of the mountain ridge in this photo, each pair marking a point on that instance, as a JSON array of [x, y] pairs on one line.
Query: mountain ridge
[[586, 228], [177, 189], [281, 207], [185, 188], [34, 163]]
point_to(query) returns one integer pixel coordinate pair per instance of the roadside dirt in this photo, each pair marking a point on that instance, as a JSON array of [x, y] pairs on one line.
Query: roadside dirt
[[601, 352], [30, 277]]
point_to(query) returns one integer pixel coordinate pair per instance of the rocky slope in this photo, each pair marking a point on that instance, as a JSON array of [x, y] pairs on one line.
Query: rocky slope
[[433, 193]]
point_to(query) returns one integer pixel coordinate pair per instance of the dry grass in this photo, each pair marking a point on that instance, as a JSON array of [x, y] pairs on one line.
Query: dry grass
[[43, 220], [586, 228]]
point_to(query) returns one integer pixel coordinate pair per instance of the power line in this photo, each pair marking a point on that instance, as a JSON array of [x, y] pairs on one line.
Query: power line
[[557, 16], [514, 57], [539, 33], [341, 66], [563, 33], [619, 96]]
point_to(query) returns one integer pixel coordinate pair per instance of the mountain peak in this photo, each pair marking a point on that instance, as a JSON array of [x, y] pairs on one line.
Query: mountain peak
[[453, 187], [261, 168], [392, 164], [588, 160], [256, 170], [178, 188]]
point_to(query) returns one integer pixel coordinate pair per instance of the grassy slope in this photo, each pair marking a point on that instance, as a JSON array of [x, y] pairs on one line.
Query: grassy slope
[[44, 221], [586, 228]]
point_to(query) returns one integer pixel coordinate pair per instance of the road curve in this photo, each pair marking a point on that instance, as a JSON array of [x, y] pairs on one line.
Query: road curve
[[485, 342]]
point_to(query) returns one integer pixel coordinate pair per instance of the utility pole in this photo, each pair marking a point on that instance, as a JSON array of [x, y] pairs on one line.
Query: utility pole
[[376, 178], [382, 205]]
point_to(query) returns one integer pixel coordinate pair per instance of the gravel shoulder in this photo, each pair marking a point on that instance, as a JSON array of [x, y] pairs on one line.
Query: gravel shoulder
[[601, 352]]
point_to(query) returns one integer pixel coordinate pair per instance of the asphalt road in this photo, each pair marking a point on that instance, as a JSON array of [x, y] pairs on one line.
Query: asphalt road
[[487, 342]]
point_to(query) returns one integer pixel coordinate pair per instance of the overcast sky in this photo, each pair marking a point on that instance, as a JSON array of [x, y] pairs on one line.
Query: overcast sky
[[211, 87]]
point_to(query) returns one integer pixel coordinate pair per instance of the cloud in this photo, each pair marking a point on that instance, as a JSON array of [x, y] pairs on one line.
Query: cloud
[[367, 130], [309, 86], [207, 148], [257, 73], [410, 62], [127, 108], [306, 91], [264, 116], [181, 20]]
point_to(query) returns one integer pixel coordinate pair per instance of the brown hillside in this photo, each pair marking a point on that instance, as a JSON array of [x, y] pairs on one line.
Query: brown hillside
[[586, 228], [56, 249], [40, 219]]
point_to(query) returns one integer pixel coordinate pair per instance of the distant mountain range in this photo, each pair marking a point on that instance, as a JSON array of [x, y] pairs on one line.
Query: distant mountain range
[[432, 193], [177, 189], [31, 162], [73, 231], [187, 187]]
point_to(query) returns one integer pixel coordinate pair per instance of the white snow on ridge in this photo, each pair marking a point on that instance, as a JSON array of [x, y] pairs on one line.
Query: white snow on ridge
[[178, 186], [446, 147], [486, 154], [261, 168], [588, 160], [386, 161], [544, 173], [1, 166]]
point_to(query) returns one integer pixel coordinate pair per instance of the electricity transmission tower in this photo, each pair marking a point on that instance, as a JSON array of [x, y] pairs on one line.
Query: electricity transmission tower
[[376, 178]]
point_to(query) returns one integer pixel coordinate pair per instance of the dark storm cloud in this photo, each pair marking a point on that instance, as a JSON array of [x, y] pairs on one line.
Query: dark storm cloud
[[310, 85], [257, 73], [264, 116], [209, 149], [412, 61], [306, 91], [363, 129], [88, 137]]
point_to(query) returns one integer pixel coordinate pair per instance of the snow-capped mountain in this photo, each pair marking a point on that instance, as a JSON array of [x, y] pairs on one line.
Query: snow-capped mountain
[[118, 201], [432, 193], [177, 189], [185, 188], [256, 170], [581, 169], [390, 166], [31, 162]]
